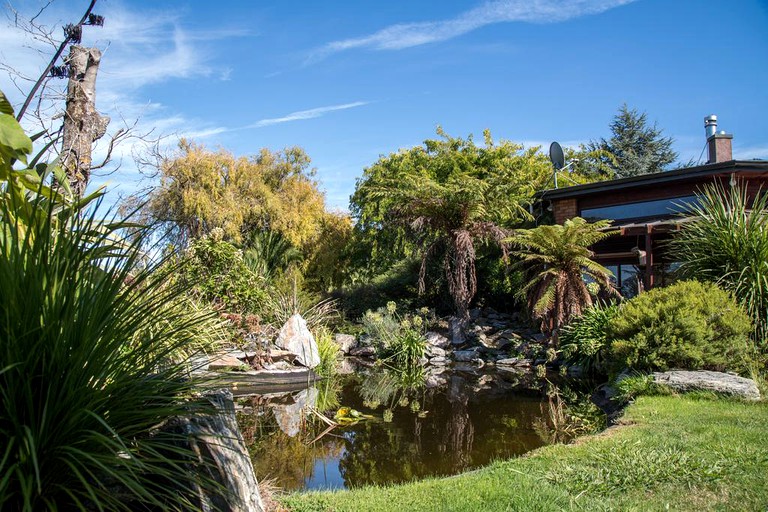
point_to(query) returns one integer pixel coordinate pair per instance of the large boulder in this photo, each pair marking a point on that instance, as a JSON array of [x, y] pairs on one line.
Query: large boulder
[[702, 380], [295, 337]]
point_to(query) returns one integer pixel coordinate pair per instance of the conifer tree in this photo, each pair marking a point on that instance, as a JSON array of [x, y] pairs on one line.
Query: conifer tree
[[637, 147]]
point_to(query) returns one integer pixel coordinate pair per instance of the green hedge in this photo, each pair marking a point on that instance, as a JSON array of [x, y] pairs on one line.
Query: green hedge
[[688, 325]]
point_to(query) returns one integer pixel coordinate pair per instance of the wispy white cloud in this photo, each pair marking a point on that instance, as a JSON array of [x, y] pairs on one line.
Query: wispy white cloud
[[140, 48], [751, 152], [154, 46], [307, 114], [407, 35], [180, 127]]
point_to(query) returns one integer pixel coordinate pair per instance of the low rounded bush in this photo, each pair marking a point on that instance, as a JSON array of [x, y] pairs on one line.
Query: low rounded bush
[[688, 325]]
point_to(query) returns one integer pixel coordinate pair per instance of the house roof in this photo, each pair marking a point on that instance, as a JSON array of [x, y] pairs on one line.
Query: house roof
[[688, 173]]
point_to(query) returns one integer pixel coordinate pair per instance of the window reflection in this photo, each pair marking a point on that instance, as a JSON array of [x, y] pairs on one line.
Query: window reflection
[[656, 208]]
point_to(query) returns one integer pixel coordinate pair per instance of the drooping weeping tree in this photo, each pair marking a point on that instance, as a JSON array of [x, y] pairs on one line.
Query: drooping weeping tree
[[442, 199]]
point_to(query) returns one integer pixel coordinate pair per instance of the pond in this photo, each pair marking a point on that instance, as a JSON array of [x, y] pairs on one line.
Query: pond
[[414, 427]]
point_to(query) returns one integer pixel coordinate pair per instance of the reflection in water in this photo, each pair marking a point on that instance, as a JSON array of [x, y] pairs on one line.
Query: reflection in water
[[415, 433]]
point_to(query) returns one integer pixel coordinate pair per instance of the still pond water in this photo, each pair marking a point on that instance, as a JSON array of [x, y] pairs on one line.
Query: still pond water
[[416, 429]]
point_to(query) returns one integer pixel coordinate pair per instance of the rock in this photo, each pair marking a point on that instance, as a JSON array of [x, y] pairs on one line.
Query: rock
[[433, 351], [465, 356], [457, 331], [289, 417], [217, 440], [437, 340], [362, 352], [702, 380], [494, 342], [509, 334], [224, 361], [279, 365], [198, 364], [474, 314], [345, 342], [514, 361], [346, 367], [469, 368], [438, 361], [539, 337], [360, 362], [277, 354], [240, 354], [435, 381], [295, 337]]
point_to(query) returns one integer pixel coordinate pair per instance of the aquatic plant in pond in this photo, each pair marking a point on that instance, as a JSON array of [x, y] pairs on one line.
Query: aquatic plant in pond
[[398, 338]]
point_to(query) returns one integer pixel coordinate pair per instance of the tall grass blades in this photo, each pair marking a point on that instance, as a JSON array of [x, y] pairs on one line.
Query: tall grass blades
[[726, 242], [89, 369], [584, 341]]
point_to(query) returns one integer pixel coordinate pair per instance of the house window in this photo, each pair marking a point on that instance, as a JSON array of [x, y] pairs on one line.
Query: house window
[[625, 279], [643, 209]]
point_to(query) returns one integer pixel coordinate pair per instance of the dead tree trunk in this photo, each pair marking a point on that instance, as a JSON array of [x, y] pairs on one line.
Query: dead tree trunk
[[82, 124]]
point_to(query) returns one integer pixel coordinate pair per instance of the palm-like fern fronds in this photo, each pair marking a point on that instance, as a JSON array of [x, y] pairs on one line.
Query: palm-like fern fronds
[[558, 262]]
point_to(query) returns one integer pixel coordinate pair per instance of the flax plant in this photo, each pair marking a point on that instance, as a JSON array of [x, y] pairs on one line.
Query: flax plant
[[726, 242], [92, 362]]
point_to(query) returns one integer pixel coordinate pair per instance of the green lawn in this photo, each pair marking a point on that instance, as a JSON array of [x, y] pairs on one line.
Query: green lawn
[[671, 453]]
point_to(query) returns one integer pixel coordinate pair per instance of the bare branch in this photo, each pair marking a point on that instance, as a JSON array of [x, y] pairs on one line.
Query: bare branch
[[47, 70]]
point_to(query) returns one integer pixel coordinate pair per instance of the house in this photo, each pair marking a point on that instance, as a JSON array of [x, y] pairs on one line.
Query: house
[[646, 209]]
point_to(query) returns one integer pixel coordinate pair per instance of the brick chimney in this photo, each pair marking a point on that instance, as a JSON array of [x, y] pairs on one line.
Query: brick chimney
[[718, 143]]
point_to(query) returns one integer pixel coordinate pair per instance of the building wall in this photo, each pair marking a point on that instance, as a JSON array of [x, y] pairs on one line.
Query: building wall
[[564, 209], [661, 191]]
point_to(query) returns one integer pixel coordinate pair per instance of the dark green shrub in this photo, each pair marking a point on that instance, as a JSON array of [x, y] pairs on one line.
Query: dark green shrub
[[688, 325], [396, 284], [584, 341], [219, 274]]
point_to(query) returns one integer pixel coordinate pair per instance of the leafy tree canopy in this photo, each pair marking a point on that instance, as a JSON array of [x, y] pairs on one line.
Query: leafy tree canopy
[[201, 190], [443, 197], [637, 148]]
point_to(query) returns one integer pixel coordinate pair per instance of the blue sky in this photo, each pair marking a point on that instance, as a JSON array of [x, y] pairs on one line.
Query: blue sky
[[349, 81]]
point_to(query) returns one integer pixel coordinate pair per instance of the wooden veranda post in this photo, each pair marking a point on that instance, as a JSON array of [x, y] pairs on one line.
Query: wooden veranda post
[[648, 277]]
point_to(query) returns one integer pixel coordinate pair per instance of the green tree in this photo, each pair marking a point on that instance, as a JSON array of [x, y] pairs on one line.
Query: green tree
[[328, 267], [557, 260], [637, 148], [440, 199]]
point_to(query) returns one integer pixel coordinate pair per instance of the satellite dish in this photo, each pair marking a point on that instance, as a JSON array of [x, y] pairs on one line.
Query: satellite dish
[[556, 155]]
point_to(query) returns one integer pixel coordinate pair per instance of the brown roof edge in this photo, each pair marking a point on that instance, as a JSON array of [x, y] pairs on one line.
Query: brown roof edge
[[659, 177]]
